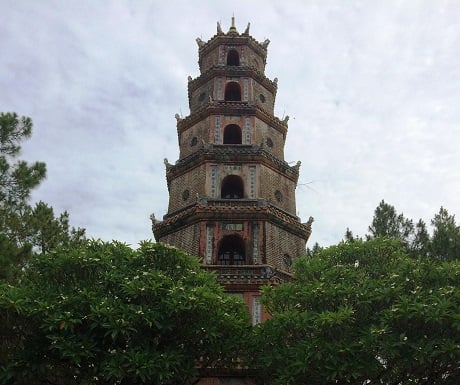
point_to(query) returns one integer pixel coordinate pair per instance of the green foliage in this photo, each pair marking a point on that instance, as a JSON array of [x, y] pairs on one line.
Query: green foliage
[[421, 243], [364, 312], [445, 243], [315, 250], [46, 232], [387, 223], [106, 314], [18, 179], [25, 229]]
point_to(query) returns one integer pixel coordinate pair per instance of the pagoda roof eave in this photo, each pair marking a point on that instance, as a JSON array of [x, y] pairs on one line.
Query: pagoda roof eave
[[233, 39], [233, 153], [232, 108], [219, 70], [206, 209]]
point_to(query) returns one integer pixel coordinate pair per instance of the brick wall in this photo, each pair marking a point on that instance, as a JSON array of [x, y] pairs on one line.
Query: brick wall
[[270, 182], [200, 96], [194, 181], [263, 133], [211, 59], [267, 103], [185, 238], [280, 242], [200, 131], [248, 57]]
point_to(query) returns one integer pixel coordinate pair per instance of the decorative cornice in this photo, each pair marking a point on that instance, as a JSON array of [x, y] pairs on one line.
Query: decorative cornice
[[232, 39], [231, 108], [234, 153], [248, 276], [241, 209], [223, 70]]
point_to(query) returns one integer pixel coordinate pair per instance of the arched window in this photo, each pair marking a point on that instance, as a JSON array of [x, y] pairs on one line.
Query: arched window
[[232, 187], [231, 251], [232, 134], [233, 59], [232, 92]]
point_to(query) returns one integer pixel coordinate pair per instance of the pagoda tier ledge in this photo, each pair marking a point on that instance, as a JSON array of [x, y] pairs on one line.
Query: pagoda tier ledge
[[239, 153], [216, 107], [232, 39], [213, 209], [225, 70], [257, 275]]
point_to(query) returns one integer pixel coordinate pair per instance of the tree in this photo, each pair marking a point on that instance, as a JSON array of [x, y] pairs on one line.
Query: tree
[[387, 223], [421, 243], [106, 314], [314, 250], [24, 229], [363, 312], [18, 179], [445, 243], [46, 232]]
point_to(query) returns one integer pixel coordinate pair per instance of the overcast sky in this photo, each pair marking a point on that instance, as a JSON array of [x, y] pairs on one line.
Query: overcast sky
[[372, 89]]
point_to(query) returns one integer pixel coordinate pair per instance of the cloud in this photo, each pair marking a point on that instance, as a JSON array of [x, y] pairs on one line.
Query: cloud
[[372, 90]]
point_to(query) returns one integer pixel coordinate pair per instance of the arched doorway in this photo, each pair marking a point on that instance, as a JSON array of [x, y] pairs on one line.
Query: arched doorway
[[233, 59], [231, 251], [233, 92], [232, 187], [232, 134]]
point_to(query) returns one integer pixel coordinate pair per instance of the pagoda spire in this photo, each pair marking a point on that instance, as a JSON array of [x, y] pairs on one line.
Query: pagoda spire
[[233, 28]]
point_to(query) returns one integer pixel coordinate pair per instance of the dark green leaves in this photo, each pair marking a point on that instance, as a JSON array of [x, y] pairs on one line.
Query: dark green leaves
[[364, 311], [106, 311]]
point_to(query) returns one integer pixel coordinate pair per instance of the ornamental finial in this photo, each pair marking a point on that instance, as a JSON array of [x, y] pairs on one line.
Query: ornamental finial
[[233, 28]]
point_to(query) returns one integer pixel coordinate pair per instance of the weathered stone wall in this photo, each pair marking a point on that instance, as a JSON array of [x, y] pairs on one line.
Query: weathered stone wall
[[211, 59], [185, 238], [200, 132], [279, 243], [193, 181], [200, 96], [271, 139], [263, 97], [218, 56], [277, 189]]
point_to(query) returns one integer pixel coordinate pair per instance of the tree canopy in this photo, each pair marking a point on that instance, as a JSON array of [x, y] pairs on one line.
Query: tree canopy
[[25, 229], [378, 310], [364, 312], [19, 178], [106, 314], [442, 244]]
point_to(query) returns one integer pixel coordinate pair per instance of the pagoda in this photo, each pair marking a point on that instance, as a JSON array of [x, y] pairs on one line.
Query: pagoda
[[231, 193]]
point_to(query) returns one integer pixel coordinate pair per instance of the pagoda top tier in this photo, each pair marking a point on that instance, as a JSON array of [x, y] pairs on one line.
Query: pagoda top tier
[[213, 52]]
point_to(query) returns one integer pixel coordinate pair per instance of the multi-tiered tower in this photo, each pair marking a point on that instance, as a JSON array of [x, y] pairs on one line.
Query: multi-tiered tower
[[231, 193]]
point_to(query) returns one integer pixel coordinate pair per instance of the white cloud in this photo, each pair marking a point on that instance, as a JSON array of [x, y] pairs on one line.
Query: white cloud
[[372, 90]]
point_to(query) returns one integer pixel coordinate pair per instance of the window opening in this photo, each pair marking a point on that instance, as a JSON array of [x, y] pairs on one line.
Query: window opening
[[233, 92], [232, 134], [231, 251], [232, 187], [233, 59]]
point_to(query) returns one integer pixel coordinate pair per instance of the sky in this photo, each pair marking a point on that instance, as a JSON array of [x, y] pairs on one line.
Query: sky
[[372, 89]]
